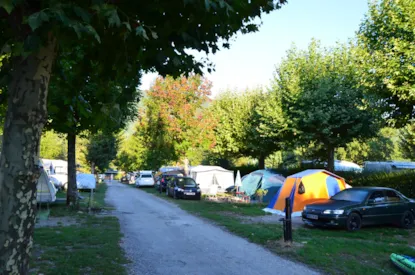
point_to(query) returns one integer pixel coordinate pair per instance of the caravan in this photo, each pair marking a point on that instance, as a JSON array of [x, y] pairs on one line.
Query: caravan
[[212, 178]]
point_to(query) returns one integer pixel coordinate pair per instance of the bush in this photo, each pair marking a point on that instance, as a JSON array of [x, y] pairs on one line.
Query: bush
[[403, 181], [244, 169]]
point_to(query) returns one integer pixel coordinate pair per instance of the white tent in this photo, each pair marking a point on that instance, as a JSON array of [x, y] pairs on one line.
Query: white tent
[[46, 191], [207, 176]]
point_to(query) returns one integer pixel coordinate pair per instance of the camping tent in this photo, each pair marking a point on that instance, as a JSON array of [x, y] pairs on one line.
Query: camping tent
[[304, 188], [206, 176], [262, 179], [46, 191]]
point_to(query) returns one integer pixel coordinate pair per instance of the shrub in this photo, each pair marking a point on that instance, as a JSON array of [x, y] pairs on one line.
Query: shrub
[[244, 169], [403, 181]]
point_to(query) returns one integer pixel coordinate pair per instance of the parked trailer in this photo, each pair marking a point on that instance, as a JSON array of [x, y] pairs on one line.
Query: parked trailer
[[387, 166]]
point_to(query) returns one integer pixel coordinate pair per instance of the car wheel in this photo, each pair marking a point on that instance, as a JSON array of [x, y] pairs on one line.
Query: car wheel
[[407, 220], [354, 222]]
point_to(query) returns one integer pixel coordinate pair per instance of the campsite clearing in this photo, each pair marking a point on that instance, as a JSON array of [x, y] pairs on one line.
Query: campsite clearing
[[364, 252], [71, 242]]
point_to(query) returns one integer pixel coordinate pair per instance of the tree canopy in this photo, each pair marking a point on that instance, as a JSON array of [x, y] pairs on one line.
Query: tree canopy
[[386, 38], [121, 37], [322, 101], [100, 151], [172, 124], [248, 124]]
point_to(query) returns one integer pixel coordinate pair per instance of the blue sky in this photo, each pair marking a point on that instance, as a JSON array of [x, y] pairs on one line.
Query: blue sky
[[251, 60]]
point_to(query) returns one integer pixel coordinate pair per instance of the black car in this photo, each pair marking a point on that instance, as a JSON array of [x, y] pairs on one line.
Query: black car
[[183, 188], [163, 178], [354, 207]]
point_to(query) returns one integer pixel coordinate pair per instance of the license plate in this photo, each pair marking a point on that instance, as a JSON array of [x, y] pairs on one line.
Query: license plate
[[311, 216], [190, 193]]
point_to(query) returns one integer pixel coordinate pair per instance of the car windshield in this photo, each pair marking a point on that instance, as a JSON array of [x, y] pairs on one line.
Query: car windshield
[[186, 182], [355, 195], [145, 175]]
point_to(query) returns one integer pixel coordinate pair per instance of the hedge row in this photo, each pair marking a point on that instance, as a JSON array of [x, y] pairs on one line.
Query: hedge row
[[403, 181]]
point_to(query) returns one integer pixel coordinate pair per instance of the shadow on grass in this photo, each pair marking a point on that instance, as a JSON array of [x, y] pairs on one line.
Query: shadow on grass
[[90, 246]]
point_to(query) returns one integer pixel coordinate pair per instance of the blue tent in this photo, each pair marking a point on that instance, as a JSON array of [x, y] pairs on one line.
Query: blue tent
[[262, 179]]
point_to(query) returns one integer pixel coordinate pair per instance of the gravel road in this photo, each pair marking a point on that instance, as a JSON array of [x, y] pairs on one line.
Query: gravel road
[[160, 238]]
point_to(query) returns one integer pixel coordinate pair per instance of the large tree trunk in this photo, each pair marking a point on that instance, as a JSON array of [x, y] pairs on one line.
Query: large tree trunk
[[330, 159], [261, 162], [72, 192], [19, 161]]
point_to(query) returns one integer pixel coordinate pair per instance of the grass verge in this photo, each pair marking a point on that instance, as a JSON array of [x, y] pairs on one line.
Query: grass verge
[[79, 243], [332, 251]]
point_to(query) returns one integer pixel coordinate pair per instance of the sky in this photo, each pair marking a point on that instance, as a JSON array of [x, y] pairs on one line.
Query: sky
[[250, 62]]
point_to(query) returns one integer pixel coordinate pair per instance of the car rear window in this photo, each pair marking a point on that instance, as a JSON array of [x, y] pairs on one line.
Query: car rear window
[[146, 176], [186, 182]]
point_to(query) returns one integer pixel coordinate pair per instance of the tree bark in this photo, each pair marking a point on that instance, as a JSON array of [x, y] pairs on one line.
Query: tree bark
[[19, 160], [72, 192], [330, 159], [261, 162]]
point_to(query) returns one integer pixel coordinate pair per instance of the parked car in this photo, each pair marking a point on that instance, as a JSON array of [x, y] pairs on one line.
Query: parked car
[[165, 176], [354, 207], [125, 179], [145, 178], [183, 188]]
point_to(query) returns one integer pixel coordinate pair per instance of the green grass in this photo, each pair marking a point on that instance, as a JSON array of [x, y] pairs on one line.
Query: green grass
[[331, 251], [98, 202], [91, 246]]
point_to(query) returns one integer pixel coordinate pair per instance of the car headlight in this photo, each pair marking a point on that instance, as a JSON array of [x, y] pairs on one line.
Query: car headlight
[[305, 208], [180, 190], [198, 190], [335, 212]]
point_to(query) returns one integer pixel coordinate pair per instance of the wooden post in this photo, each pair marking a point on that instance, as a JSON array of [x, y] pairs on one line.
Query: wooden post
[[287, 222], [91, 197]]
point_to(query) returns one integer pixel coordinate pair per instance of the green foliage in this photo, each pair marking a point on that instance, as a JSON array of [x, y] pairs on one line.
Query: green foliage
[[172, 125], [403, 181], [249, 124], [321, 99], [101, 150], [53, 146], [80, 99], [155, 34], [386, 40], [407, 141], [384, 146], [230, 111], [131, 153]]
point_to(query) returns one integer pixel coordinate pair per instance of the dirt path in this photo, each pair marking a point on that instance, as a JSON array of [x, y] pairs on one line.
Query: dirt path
[[160, 238]]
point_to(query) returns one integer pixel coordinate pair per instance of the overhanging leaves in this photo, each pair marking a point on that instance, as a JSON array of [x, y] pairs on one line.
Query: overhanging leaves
[[37, 19]]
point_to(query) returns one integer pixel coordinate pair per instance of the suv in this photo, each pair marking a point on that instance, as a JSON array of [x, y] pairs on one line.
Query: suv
[[145, 178], [183, 188]]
